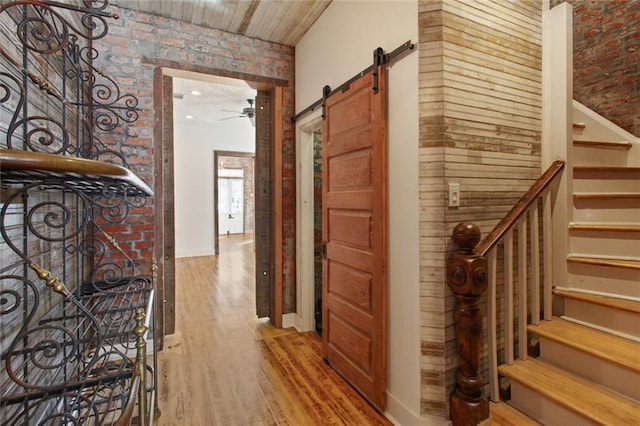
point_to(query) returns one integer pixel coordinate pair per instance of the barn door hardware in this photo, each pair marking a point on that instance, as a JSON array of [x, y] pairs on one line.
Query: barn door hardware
[[326, 91], [379, 59]]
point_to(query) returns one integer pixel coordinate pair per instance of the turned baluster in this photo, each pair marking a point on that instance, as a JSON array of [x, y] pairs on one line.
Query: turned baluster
[[467, 279]]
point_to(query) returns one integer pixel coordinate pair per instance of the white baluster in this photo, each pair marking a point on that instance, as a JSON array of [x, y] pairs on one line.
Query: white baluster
[[508, 297], [522, 288], [492, 301], [535, 264]]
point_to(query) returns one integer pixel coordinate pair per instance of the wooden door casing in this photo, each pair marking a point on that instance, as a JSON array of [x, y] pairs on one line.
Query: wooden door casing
[[263, 224], [354, 231]]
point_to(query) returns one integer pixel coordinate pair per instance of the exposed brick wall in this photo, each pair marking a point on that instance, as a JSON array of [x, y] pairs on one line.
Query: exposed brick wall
[[317, 225], [606, 61], [127, 54]]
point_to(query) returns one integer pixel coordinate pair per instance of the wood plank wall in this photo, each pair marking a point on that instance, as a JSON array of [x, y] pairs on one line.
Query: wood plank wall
[[480, 126]]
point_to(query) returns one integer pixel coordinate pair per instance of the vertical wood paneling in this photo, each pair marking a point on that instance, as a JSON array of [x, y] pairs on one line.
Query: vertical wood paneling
[[480, 126]]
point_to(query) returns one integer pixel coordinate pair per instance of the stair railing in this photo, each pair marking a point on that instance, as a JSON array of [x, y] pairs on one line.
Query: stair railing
[[474, 267]]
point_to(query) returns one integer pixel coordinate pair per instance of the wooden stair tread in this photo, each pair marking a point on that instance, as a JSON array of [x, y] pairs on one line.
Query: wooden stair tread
[[602, 261], [606, 195], [606, 169], [581, 396], [604, 227], [596, 299], [603, 144], [613, 349], [501, 413]]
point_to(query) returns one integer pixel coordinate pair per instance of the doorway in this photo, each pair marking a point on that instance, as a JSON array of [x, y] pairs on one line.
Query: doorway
[[230, 201], [309, 222], [234, 194], [268, 121]]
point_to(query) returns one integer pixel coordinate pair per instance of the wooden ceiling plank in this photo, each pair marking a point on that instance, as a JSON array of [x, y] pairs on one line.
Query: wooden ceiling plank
[[279, 21]]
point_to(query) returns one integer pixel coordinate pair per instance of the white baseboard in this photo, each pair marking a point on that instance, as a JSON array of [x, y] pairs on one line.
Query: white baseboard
[[400, 415], [289, 320]]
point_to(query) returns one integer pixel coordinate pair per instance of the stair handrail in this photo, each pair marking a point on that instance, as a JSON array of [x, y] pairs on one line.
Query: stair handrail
[[471, 269], [520, 208]]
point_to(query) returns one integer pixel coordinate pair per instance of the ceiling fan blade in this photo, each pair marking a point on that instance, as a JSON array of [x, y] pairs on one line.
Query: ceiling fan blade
[[229, 118], [228, 110]]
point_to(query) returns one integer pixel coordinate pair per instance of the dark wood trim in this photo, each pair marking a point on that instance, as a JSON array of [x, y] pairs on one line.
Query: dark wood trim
[[276, 168], [165, 169], [467, 279], [216, 214], [158, 226], [255, 81], [520, 208]]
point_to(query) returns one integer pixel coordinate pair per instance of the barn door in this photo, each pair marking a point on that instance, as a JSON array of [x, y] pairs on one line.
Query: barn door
[[354, 231]]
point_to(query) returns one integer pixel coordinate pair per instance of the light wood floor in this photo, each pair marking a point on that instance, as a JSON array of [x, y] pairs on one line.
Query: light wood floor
[[224, 367]]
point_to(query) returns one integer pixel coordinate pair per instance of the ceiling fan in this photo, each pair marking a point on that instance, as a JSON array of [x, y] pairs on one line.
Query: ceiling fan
[[249, 112]]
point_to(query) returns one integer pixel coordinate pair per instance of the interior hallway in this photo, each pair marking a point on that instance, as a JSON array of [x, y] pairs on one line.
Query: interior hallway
[[225, 367]]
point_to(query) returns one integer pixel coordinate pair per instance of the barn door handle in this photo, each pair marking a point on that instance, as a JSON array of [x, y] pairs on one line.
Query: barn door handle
[[324, 249]]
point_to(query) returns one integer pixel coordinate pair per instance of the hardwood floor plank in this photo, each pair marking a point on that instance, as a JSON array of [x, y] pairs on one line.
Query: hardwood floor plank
[[225, 367]]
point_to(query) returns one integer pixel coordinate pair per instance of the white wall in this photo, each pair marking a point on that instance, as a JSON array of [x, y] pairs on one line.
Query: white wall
[[194, 144], [338, 46]]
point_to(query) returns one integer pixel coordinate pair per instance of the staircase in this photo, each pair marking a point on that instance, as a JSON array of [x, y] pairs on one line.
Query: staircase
[[588, 367]]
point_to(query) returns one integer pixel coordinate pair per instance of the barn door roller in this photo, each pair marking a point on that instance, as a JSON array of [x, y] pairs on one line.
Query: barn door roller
[[379, 59]]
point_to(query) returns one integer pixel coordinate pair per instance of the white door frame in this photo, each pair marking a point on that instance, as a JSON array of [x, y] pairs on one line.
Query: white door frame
[[305, 304]]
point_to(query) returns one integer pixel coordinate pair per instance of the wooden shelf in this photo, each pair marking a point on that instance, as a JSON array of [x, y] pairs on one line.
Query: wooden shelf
[[90, 176]]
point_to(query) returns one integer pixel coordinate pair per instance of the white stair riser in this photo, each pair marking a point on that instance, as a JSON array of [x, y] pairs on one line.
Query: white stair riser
[[607, 244], [543, 410], [606, 211], [616, 183], [602, 316], [589, 156], [605, 279], [610, 376]]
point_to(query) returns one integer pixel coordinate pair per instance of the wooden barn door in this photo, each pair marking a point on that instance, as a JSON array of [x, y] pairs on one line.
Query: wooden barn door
[[354, 231]]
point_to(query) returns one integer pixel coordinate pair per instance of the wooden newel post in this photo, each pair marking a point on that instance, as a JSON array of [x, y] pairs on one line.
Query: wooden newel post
[[467, 279]]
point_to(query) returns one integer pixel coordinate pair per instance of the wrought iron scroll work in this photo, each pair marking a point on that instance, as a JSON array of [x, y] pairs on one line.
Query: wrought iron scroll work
[[69, 288], [42, 30]]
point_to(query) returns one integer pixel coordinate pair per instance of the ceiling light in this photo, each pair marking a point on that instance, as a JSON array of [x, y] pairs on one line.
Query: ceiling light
[[195, 93], [188, 117]]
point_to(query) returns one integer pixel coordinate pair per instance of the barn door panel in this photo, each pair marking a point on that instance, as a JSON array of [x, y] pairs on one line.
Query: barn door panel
[[354, 234]]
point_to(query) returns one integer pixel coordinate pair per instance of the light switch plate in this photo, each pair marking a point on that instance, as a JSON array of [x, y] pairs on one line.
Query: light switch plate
[[454, 195]]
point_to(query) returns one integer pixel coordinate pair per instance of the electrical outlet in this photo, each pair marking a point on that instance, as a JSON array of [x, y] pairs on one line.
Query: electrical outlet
[[454, 195]]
